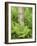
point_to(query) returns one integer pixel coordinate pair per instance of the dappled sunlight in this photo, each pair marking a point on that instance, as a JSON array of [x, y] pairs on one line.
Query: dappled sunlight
[[21, 22]]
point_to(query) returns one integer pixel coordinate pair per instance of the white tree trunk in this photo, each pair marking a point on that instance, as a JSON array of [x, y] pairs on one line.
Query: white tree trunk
[[20, 16]]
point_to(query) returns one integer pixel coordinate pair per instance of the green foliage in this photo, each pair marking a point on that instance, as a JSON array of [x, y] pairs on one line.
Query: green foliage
[[14, 13], [19, 31], [28, 16]]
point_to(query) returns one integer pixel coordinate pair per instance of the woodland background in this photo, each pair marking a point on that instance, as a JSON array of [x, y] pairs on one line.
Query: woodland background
[[23, 28]]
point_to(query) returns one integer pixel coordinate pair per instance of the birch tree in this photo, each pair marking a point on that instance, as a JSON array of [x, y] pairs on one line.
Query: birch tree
[[20, 16]]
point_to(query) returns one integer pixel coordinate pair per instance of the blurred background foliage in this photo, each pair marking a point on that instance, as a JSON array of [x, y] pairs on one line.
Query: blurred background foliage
[[18, 31]]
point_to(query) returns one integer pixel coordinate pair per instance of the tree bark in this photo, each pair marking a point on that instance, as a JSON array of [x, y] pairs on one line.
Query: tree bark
[[20, 15]]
